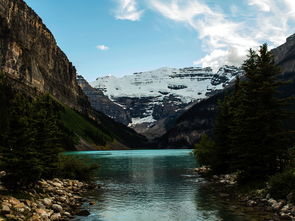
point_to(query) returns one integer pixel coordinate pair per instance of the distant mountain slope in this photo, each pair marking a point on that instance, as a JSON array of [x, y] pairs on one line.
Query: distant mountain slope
[[152, 98], [102, 103], [199, 119], [34, 65]]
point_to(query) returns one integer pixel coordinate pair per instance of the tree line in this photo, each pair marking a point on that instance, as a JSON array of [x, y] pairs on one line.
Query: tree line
[[249, 137], [31, 136]]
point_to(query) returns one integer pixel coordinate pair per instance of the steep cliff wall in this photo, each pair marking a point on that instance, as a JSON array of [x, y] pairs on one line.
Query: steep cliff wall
[[29, 55], [285, 55]]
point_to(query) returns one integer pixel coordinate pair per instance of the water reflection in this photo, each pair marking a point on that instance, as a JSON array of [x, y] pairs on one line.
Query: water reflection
[[152, 185]]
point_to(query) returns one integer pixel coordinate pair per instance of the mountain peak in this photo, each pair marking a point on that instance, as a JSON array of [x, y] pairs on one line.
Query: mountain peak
[[291, 38], [153, 95]]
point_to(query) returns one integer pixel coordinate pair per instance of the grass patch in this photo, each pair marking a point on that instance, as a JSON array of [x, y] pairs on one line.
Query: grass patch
[[85, 128], [72, 167], [282, 184]]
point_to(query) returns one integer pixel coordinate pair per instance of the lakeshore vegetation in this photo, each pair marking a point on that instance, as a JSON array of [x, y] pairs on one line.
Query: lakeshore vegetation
[[249, 136]]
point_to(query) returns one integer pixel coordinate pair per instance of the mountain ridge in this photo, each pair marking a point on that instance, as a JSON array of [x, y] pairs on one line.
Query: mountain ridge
[[153, 98]]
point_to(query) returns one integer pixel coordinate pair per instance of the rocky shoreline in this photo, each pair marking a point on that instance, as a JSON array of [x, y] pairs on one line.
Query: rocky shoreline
[[259, 199], [56, 199]]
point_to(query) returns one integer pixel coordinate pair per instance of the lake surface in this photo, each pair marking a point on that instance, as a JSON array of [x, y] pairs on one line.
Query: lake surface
[[152, 185]]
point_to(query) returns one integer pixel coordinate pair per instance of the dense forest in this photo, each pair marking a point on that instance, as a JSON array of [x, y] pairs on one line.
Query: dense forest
[[250, 138], [33, 131]]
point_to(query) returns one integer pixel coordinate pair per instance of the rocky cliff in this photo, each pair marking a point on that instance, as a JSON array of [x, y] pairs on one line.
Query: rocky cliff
[[102, 103], [34, 65], [30, 56], [285, 55]]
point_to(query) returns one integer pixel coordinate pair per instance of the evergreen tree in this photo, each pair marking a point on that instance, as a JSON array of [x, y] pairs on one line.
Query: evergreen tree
[[258, 138], [50, 137], [20, 158], [215, 151], [248, 135]]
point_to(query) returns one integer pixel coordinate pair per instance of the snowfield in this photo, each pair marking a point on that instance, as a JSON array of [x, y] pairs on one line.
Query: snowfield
[[187, 84]]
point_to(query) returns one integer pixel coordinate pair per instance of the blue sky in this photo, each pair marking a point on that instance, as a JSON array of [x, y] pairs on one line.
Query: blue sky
[[119, 37]]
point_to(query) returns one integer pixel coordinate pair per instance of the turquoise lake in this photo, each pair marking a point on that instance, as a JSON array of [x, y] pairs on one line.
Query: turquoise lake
[[152, 185]]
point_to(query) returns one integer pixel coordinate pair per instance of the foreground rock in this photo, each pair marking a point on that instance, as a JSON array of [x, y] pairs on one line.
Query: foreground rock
[[281, 209], [56, 199]]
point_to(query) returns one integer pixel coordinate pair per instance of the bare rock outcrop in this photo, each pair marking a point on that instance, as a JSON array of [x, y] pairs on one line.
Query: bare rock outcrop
[[29, 55]]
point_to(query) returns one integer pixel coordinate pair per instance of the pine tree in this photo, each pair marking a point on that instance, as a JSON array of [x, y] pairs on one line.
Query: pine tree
[[50, 137], [20, 158], [248, 134], [258, 140]]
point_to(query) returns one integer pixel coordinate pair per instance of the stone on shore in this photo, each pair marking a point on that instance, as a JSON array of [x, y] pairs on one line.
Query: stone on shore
[[49, 200]]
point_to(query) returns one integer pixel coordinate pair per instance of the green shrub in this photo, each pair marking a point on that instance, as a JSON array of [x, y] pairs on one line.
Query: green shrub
[[282, 184], [71, 167], [204, 151], [208, 153]]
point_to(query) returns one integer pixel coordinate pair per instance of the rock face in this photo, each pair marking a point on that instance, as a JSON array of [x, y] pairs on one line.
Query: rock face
[[152, 98], [30, 56], [285, 55], [102, 103], [199, 119], [189, 127]]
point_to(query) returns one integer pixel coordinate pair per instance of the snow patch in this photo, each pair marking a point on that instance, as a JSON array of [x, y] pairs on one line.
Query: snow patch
[[148, 119]]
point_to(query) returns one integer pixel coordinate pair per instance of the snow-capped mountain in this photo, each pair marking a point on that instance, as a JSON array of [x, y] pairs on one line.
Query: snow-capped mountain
[[154, 95]]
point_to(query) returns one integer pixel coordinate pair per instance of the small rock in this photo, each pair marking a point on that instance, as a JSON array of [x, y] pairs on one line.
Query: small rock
[[2, 173], [67, 214], [83, 213], [57, 184], [63, 199], [43, 213], [14, 201], [28, 202], [5, 209], [60, 192], [40, 205], [278, 205], [55, 216], [251, 203], [92, 203], [47, 202], [272, 201], [285, 209], [35, 217], [57, 208]]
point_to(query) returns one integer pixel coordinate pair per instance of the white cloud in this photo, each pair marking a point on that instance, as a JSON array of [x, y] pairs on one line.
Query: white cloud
[[128, 10], [263, 5], [180, 10], [226, 40], [291, 6], [102, 47]]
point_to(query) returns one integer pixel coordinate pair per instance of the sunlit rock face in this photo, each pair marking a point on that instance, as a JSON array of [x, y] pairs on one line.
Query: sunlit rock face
[[153, 96], [30, 56]]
